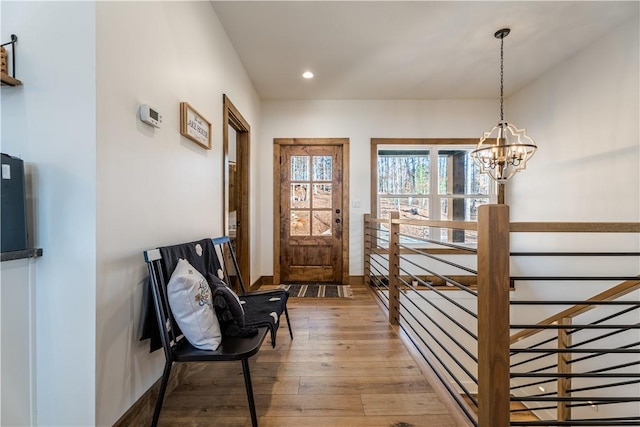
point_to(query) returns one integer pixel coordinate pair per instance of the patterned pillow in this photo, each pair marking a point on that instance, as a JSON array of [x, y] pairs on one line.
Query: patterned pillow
[[219, 288], [191, 303], [228, 308]]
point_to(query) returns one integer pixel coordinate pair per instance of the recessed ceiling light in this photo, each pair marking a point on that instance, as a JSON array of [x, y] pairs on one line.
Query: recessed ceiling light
[[307, 75]]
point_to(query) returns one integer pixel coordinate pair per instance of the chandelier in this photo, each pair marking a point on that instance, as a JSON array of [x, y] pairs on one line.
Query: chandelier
[[504, 150]]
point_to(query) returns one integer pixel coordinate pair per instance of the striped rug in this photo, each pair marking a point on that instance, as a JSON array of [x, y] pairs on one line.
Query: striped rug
[[318, 291]]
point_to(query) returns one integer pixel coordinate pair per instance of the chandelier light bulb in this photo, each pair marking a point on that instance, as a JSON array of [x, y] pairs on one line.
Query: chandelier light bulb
[[503, 151]]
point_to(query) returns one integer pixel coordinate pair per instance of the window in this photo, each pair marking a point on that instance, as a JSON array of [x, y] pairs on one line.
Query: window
[[429, 179], [311, 195]]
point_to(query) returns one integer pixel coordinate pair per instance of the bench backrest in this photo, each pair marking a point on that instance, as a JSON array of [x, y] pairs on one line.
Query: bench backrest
[[209, 256]]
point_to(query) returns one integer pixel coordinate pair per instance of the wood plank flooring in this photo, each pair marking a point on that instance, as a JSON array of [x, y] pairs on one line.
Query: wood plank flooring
[[344, 367]]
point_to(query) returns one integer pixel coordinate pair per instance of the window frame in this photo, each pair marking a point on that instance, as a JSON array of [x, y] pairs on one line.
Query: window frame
[[432, 145]]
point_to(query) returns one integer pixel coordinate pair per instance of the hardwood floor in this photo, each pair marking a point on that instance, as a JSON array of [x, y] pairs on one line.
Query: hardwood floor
[[344, 367]]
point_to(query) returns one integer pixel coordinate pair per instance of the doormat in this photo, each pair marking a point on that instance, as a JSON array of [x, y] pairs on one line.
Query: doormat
[[318, 291]]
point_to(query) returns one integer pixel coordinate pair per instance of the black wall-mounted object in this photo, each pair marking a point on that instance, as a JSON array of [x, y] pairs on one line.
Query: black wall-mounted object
[[13, 215], [14, 40]]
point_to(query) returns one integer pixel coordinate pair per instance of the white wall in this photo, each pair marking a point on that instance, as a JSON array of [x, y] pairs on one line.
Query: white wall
[[585, 118], [155, 187], [50, 123], [17, 343], [359, 121]]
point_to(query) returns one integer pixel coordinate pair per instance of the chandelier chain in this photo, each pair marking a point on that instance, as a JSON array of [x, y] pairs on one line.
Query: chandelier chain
[[502, 78]]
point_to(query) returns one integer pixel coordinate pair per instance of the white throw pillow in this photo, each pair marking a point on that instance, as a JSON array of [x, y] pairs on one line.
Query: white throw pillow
[[190, 301]]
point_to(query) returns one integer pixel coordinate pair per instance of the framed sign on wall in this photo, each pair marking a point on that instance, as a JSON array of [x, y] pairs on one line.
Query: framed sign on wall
[[194, 126]]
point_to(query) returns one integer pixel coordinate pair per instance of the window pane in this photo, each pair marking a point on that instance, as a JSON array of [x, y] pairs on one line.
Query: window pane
[[321, 223], [479, 183], [458, 174], [458, 236], [408, 207], [321, 196], [322, 166], [403, 174], [300, 224], [459, 209], [300, 196], [299, 168], [408, 234]]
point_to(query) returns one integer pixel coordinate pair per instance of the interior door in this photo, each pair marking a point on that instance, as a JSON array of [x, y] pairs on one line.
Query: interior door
[[311, 214], [236, 139]]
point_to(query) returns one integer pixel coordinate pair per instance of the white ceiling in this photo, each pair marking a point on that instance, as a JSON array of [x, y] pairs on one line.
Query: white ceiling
[[408, 49]]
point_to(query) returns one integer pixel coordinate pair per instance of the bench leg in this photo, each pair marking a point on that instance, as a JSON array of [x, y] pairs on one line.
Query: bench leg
[[249, 387], [273, 336], [286, 314], [163, 388]]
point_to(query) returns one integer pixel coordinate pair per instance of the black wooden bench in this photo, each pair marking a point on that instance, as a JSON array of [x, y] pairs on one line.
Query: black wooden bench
[[207, 256]]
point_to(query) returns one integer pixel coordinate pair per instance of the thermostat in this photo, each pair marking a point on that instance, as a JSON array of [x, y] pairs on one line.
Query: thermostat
[[150, 116]]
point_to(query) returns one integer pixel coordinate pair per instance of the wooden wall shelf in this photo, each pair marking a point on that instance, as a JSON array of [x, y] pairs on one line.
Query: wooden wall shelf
[[7, 80]]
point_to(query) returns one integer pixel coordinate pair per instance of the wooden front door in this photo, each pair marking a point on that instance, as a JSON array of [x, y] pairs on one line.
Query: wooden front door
[[311, 212]]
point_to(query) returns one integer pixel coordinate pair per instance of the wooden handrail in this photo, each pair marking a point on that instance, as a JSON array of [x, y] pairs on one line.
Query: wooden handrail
[[458, 225], [426, 250], [377, 220], [608, 295], [528, 227], [575, 227]]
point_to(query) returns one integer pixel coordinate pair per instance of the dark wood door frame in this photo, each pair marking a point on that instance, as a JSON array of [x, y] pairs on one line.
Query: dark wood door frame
[[277, 143], [233, 118]]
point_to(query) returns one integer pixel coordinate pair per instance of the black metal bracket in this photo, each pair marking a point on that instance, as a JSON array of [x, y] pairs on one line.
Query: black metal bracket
[[14, 40]]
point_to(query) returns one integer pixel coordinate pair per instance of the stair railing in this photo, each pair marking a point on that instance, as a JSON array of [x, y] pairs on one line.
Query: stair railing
[[583, 362], [478, 350], [564, 323]]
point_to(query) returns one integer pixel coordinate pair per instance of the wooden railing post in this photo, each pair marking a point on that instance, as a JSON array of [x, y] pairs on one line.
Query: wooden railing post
[[564, 367], [366, 250], [493, 316], [394, 269]]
